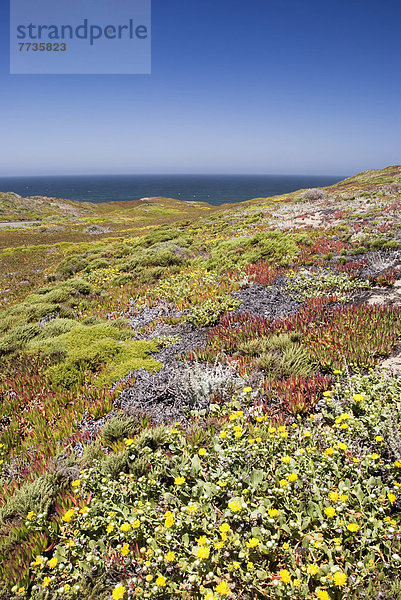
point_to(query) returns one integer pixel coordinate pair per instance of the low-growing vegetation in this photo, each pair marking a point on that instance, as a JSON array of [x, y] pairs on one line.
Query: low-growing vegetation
[[198, 408]]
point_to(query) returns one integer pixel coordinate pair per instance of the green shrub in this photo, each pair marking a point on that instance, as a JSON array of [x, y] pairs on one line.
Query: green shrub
[[208, 313]]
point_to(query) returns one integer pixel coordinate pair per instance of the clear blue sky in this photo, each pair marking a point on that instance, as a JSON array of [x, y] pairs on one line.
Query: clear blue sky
[[263, 86]]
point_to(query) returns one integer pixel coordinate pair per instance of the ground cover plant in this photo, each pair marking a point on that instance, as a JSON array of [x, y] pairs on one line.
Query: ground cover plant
[[192, 397]]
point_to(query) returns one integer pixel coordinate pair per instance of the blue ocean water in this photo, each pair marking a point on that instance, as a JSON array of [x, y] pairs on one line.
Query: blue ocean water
[[214, 189]]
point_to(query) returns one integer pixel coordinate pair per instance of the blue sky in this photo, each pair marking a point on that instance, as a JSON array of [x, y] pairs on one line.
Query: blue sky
[[263, 86]]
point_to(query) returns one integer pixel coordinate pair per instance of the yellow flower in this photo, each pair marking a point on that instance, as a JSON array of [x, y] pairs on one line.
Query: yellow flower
[[223, 434], [260, 419], [247, 390], [232, 417], [238, 434], [329, 451], [307, 434], [397, 464], [285, 576], [125, 527], [67, 587], [339, 579], [391, 498], [76, 483], [327, 394], [329, 511], [46, 581], [286, 459], [222, 483], [250, 565], [296, 582], [292, 477], [169, 519], [125, 549], [286, 546], [38, 561], [234, 506], [251, 441], [253, 542], [210, 596], [312, 569], [192, 508], [322, 595], [129, 442], [202, 451], [118, 592], [271, 429], [179, 480], [354, 527], [272, 512], [68, 515], [149, 577], [202, 552], [53, 562], [84, 510], [343, 497], [170, 556], [219, 545], [283, 482], [284, 434], [223, 588], [333, 496], [30, 515], [375, 456], [109, 528], [161, 581], [136, 524], [202, 540], [224, 528], [378, 438], [358, 397]]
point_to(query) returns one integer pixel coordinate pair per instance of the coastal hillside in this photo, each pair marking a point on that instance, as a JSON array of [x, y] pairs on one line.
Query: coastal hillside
[[202, 402]]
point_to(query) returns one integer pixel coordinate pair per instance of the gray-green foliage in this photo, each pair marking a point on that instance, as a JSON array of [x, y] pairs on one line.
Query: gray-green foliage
[[306, 284]]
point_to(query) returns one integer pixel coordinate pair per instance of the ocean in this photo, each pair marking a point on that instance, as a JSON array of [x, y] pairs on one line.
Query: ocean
[[214, 189]]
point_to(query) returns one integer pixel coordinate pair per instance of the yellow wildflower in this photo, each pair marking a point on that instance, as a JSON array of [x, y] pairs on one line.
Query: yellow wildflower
[[235, 506], [109, 528], [391, 498], [202, 451], [322, 595], [312, 569], [202, 552], [169, 519], [118, 592], [68, 515], [170, 556], [285, 576], [339, 579], [161, 581], [179, 480], [223, 588], [125, 527], [272, 512], [53, 562], [354, 527], [253, 542], [329, 511], [292, 477]]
